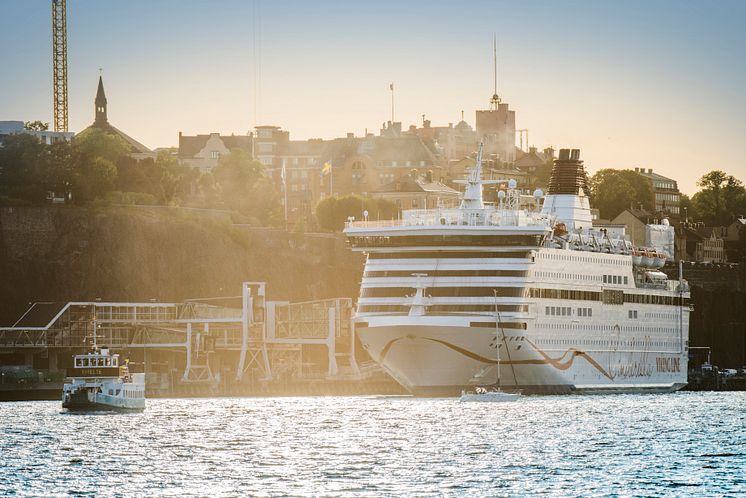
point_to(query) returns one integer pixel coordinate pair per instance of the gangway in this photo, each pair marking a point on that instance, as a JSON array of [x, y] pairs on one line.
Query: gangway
[[258, 331]]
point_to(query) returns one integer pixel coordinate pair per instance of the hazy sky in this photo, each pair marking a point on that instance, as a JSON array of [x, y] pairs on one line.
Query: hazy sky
[[658, 84]]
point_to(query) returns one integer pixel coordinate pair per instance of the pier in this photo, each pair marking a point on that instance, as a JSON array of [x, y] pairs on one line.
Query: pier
[[237, 345]]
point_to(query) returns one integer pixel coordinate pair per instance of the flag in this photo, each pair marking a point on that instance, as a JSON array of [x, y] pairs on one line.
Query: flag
[[391, 87], [326, 169], [283, 173]]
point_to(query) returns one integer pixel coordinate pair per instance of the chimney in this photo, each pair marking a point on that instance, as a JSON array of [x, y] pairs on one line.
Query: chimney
[[350, 135], [650, 170], [568, 175]]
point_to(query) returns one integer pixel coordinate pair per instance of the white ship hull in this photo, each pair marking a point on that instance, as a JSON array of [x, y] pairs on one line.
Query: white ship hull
[[437, 360]]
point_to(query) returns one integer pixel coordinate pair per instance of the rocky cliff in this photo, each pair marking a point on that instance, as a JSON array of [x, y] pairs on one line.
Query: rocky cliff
[[138, 254]]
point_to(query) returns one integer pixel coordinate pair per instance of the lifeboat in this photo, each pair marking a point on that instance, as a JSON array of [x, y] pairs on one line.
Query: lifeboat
[[647, 257], [636, 257], [560, 229], [658, 260]]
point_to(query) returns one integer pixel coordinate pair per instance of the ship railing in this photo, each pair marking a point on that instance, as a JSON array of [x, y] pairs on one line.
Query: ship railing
[[456, 218]]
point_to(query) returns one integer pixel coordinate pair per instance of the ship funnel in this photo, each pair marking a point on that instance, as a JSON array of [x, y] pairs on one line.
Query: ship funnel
[[568, 174], [566, 197]]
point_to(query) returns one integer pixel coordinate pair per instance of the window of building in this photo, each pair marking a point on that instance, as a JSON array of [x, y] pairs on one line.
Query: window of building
[[214, 154]]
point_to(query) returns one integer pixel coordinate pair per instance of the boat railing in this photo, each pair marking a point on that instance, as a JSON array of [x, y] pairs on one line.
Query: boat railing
[[456, 217]]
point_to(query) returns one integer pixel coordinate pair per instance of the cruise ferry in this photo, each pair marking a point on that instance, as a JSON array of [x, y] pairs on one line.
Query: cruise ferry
[[580, 309]]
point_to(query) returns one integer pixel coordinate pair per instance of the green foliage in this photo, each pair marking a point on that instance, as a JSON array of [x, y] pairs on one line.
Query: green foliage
[[95, 178], [36, 125], [24, 161], [332, 212], [163, 178], [612, 191], [240, 183], [97, 143], [721, 199]]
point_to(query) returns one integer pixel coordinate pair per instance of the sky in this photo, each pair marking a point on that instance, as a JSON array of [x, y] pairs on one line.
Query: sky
[[654, 84]]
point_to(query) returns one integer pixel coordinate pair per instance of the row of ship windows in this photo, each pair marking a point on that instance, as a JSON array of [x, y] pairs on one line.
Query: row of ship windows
[[592, 327], [607, 279], [608, 296], [584, 258], [445, 291], [568, 276], [448, 255], [448, 273], [604, 344], [615, 279], [566, 311], [441, 308], [444, 240]]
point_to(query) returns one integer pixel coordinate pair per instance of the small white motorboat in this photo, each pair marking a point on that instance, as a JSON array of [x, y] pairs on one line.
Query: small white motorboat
[[481, 394]]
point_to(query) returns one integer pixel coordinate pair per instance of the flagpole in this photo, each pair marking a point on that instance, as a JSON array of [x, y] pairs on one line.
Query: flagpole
[[285, 188], [391, 86]]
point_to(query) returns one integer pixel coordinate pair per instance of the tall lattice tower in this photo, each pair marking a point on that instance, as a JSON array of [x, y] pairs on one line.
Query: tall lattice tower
[[59, 63]]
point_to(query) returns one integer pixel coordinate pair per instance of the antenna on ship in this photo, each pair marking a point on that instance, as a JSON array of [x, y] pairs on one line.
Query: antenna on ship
[[472, 197]]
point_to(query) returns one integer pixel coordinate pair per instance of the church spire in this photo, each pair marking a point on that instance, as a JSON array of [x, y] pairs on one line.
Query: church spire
[[100, 103]]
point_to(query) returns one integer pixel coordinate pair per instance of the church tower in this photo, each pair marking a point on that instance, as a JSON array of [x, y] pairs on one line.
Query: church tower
[[100, 104]]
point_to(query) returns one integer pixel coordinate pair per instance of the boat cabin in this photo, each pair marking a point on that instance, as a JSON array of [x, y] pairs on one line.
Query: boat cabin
[[96, 360]]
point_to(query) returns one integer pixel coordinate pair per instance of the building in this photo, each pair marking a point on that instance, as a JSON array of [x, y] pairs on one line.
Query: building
[[711, 249], [449, 142], [635, 220], [101, 122], [204, 151], [496, 128], [666, 193], [362, 165], [418, 192], [536, 164], [48, 137]]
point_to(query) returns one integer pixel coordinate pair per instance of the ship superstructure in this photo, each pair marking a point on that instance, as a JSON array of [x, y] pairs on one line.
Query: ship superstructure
[[581, 309]]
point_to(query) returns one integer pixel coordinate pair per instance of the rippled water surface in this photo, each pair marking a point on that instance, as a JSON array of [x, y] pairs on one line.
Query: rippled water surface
[[675, 444]]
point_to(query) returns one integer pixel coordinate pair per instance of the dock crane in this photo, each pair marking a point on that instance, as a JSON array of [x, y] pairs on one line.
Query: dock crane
[[59, 63]]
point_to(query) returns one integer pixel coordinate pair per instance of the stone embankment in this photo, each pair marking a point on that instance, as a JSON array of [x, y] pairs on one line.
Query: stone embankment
[[133, 254]]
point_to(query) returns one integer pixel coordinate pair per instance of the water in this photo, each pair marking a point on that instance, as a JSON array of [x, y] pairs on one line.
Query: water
[[653, 445]]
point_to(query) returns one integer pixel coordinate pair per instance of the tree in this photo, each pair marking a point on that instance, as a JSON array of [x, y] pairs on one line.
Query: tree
[[94, 143], [36, 125], [332, 212], [243, 187], [722, 197], [95, 177], [163, 177], [24, 160], [687, 209], [612, 191]]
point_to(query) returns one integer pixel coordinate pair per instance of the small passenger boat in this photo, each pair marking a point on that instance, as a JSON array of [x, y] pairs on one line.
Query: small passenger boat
[[99, 382]]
